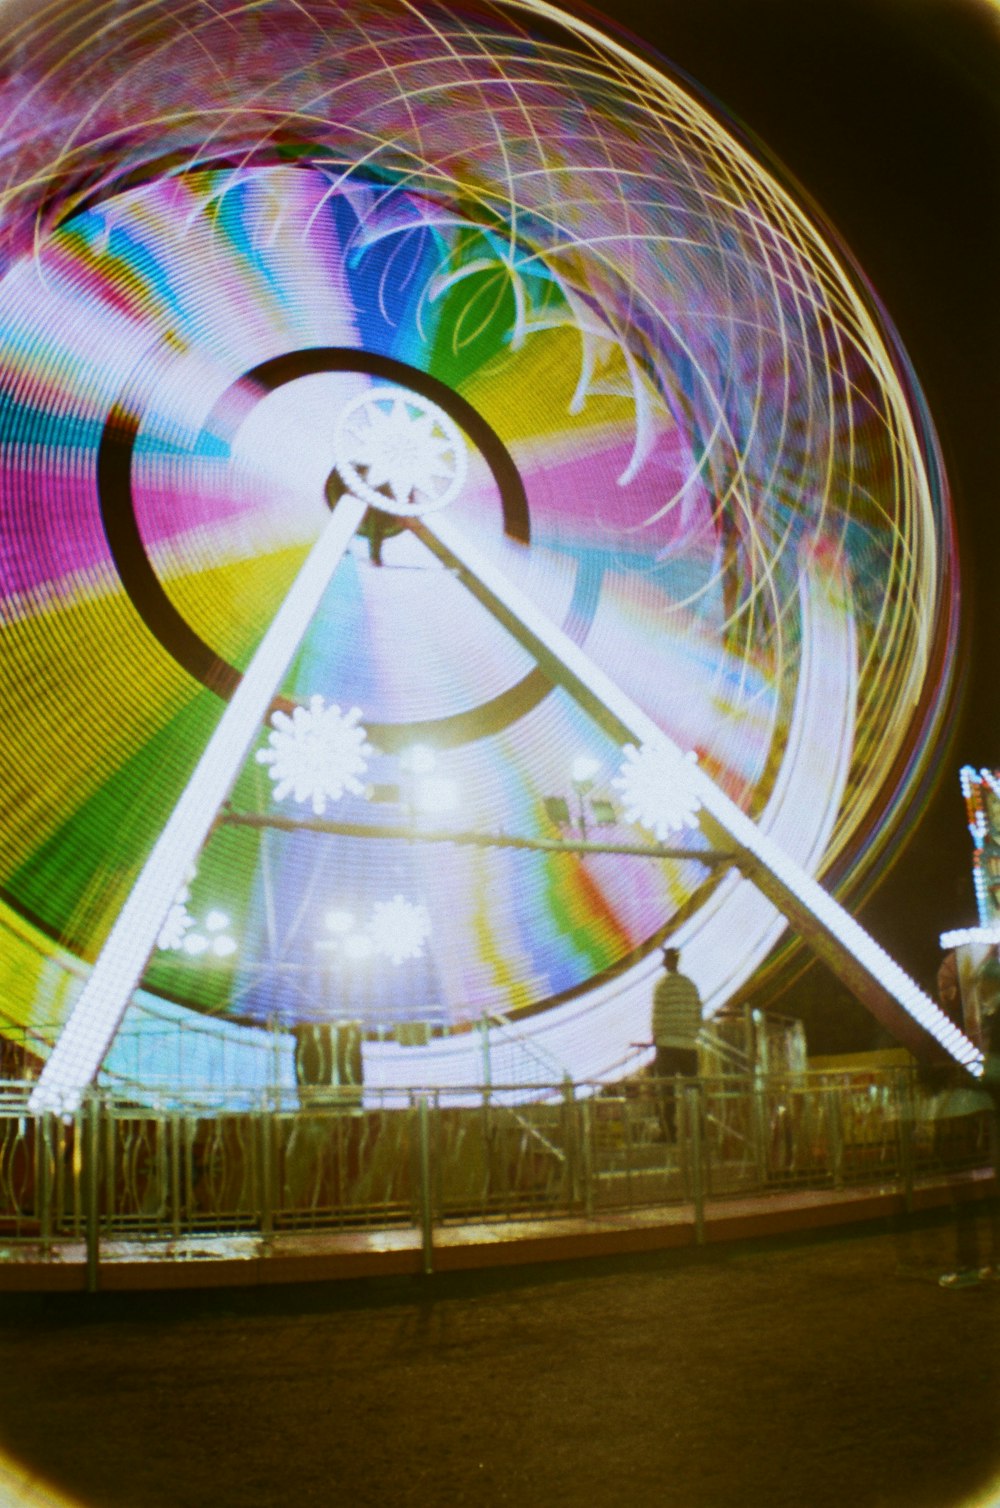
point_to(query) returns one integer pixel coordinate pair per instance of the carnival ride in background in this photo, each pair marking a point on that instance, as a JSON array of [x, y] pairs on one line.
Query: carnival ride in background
[[969, 978], [438, 563]]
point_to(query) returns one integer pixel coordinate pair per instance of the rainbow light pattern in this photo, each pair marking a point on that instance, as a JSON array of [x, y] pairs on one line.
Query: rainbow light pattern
[[732, 497]]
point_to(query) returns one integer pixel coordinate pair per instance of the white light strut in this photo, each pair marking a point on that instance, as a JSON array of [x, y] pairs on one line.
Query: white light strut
[[88, 1033], [825, 925]]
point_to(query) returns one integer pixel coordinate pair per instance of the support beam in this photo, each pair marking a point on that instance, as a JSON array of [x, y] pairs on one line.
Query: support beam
[[867, 970], [80, 1050], [710, 857]]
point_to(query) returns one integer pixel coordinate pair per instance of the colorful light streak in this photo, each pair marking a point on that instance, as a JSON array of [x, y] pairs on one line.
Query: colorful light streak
[[732, 501]]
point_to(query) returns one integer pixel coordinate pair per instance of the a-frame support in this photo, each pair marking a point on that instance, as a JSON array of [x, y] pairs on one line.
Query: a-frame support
[[888, 992], [852, 955], [97, 1015]]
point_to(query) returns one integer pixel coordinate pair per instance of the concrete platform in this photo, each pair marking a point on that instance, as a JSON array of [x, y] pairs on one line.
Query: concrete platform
[[241, 1260]]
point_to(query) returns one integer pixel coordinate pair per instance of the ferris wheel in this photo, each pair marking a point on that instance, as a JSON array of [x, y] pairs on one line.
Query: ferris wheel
[[433, 577]]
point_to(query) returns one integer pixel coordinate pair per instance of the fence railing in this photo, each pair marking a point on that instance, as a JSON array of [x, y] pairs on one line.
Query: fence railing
[[159, 1053], [320, 1160]]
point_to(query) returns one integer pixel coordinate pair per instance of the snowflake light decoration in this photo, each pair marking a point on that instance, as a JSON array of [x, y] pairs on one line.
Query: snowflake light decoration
[[399, 929], [399, 452], [176, 924], [316, 754], [180, 934], [656, 789]]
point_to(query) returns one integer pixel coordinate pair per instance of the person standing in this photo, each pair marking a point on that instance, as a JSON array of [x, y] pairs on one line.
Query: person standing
[[676, 1024]]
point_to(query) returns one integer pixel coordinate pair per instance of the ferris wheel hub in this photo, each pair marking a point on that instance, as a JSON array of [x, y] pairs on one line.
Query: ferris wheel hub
[[397, 451]]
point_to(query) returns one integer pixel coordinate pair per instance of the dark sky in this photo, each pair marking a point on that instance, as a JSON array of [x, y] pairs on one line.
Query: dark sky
[[888, 113]]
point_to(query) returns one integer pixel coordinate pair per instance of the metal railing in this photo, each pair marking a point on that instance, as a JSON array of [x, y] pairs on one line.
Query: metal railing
[[322, 1160]]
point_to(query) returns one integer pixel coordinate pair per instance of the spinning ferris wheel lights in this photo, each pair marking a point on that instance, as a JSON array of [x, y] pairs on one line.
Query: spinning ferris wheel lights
[[339, 922], [684, 432], [418, 759]]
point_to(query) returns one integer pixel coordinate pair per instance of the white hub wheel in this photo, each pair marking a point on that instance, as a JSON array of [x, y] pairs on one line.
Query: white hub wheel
[[397, 451]]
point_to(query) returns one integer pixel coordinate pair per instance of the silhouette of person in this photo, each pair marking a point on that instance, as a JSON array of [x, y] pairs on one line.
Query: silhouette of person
[[676, 1024]]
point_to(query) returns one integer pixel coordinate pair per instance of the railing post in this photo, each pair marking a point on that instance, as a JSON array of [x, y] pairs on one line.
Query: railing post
[[587, 1155], [426, 1200], [627, 1144], [176, 1158], [43, 1178], [692, 1100], [265, 1152], [749, 1038], [758, 1114], [907, 1127], [572, 1142], [484, 1032], [162, 1123], [91, 1186], [110, 1152], [59, 1174], [835, 1130]]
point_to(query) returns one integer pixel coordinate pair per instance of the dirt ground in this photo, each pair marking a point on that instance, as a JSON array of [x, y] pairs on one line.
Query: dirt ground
[[821, 1373]]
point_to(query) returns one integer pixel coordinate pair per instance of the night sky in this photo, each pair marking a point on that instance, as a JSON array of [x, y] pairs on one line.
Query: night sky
[[887, 112]]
